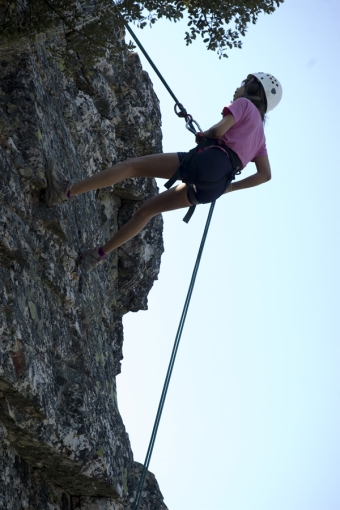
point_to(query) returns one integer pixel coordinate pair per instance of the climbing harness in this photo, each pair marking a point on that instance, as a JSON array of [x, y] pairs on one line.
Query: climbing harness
[[188, 160], [190, 170], [190, 125]]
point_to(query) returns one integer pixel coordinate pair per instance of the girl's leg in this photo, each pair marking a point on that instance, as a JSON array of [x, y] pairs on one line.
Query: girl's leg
[[156, 165], [175, 198]]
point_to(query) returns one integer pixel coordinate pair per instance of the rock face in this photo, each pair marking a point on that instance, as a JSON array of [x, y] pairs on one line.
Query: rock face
[[63, 442]]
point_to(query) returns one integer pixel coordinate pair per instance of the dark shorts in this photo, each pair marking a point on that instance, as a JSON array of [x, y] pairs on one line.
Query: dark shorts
[[211, 166]]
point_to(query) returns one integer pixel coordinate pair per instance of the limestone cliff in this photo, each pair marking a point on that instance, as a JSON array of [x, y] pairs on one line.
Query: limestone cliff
[[63, 442]]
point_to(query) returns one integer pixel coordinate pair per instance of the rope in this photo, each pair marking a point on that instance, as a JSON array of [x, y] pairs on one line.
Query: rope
[[189, 125], [182, 111], [172, 361], [152, 64]]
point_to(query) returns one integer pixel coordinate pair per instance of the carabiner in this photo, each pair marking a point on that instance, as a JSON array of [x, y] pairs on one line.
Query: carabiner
[[190, 127]]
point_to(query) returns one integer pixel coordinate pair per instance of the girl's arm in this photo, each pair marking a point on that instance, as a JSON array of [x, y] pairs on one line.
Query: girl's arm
[[262, 175], [220, 128]]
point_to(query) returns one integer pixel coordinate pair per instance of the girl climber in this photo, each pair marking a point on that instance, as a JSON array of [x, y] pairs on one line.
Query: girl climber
[[205, 173]]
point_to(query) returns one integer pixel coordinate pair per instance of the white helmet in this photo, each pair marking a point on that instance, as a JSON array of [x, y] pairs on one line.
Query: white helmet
[[272, 89]]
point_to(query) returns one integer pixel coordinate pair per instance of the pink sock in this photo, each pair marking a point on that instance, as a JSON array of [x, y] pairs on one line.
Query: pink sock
[[101, 252]]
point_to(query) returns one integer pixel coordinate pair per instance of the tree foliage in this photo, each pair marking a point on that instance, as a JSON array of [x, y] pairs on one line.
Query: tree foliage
[[87, 24], [219, 23]]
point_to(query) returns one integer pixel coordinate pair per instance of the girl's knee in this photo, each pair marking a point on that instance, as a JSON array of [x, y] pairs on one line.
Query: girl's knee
[[129, 166], [145, 212]]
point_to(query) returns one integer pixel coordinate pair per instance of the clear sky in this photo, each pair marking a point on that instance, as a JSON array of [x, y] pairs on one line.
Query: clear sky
[[252, 418]]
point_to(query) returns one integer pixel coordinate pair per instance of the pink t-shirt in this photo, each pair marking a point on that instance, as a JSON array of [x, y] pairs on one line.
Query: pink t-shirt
[[246, 136]]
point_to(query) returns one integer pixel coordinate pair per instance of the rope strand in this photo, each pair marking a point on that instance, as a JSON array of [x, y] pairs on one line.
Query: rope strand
[[172, 361], [182, 111], [152, 64]]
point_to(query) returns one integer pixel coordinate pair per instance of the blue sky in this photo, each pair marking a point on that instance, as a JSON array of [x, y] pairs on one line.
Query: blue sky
[[252, 417]]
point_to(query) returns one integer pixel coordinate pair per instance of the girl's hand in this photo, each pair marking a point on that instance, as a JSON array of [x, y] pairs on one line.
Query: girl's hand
[[199, 136]]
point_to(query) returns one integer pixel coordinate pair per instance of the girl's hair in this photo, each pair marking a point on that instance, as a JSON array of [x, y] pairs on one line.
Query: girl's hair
[[254, 91]]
